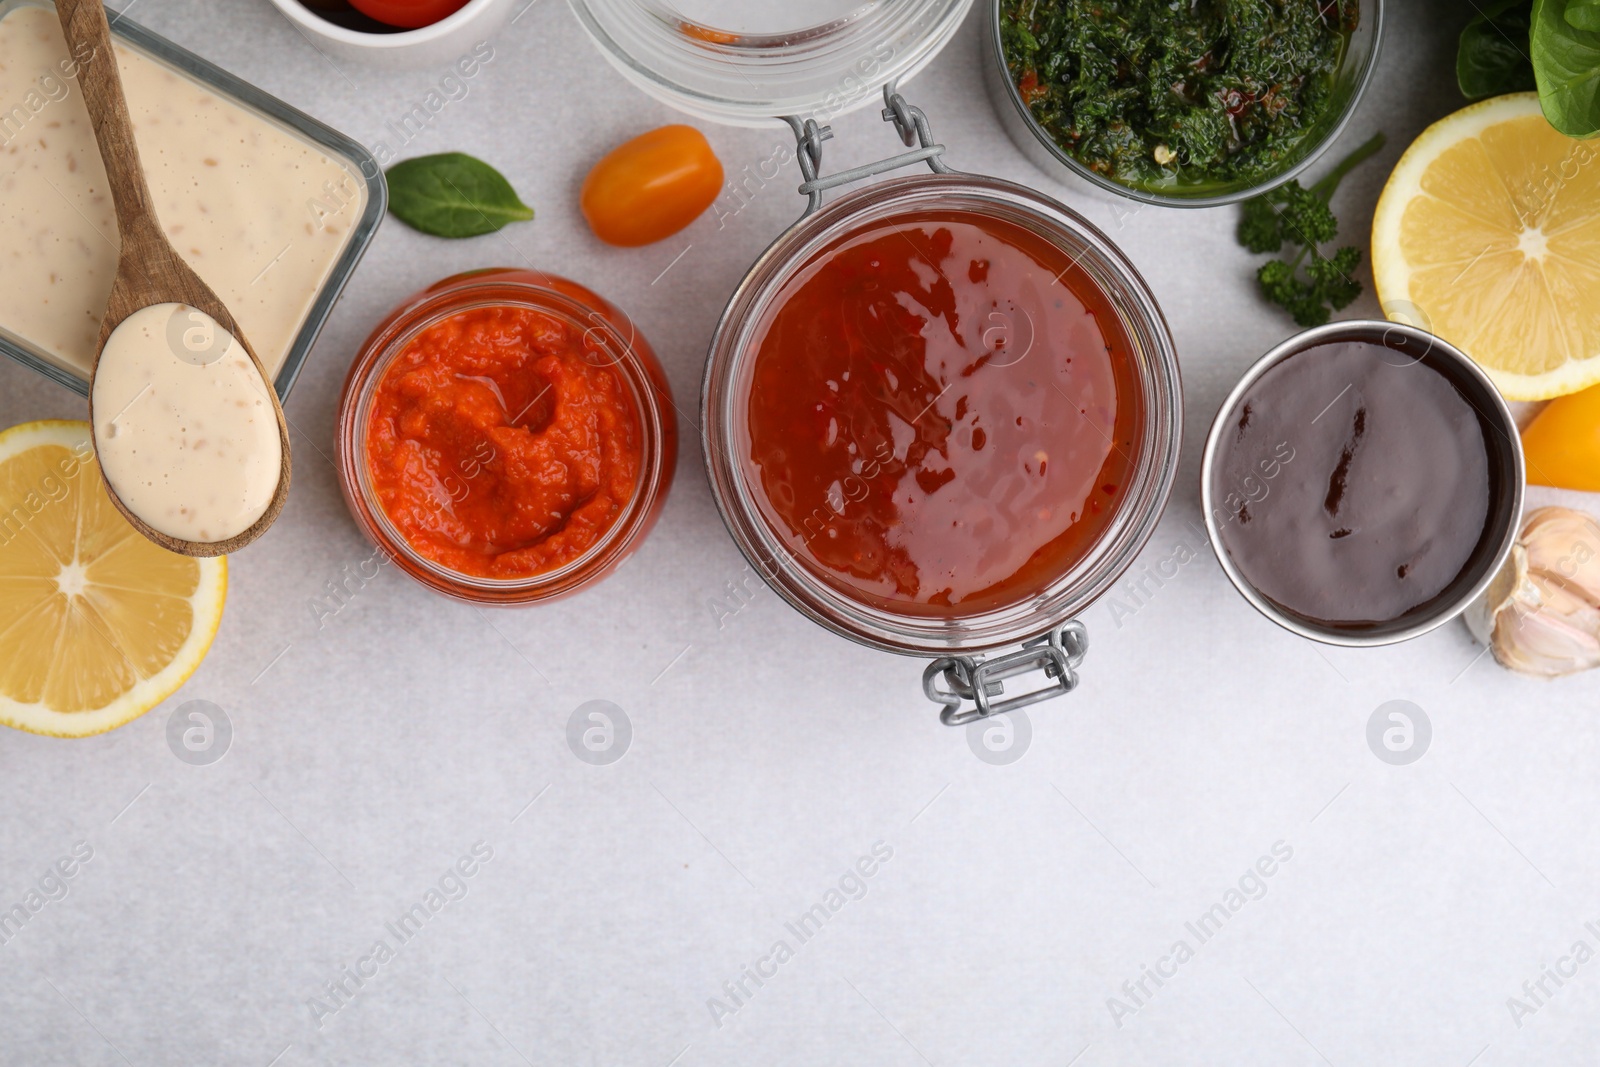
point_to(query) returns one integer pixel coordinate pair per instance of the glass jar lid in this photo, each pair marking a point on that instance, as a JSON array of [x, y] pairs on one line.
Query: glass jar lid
[[746, 62]]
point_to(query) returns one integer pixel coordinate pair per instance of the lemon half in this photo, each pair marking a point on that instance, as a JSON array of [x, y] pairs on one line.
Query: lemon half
[[97, 624], [1488, 235]]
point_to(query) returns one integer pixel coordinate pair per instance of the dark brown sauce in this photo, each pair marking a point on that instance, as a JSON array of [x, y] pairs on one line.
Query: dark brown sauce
[[1356, 486]]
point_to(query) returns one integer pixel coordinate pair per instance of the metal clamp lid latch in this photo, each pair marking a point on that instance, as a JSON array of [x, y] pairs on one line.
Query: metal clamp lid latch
[[909, 122], [971, 678]]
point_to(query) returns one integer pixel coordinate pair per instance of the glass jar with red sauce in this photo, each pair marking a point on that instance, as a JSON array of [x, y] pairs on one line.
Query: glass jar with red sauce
[[506, 437], [942, 415]]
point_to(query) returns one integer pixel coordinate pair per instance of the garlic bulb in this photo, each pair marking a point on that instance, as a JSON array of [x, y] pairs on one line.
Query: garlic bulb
[[1541, 614]]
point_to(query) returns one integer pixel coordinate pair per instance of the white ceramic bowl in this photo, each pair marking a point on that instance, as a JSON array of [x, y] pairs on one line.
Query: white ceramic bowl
[[445, 40]]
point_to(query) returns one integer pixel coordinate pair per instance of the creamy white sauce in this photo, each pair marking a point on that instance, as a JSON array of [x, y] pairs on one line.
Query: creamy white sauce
[[183, 425], [260, 213]]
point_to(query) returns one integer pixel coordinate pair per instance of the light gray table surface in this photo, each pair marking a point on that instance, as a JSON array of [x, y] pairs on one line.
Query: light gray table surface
[[373, 749]]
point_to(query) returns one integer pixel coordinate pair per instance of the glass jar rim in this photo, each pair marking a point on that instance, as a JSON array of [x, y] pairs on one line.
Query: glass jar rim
[[440, 302], [723, 394], [817, 71]]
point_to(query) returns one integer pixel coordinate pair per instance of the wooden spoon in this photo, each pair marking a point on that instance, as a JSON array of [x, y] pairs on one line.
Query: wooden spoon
[[149, 270]]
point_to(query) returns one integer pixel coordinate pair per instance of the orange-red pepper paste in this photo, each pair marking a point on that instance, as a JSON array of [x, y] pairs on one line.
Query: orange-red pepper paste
[[943, 413], [502, 443]]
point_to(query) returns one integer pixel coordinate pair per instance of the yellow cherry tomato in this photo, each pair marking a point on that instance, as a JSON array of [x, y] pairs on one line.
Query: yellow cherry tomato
[[651, 187], [1563, 442]]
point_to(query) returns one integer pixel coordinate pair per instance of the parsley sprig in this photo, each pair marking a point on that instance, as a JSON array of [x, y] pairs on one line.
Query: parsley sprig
[[1302, 219]]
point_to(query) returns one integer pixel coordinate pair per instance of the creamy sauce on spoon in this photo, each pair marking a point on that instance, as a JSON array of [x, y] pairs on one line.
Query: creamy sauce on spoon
[[183, 425]]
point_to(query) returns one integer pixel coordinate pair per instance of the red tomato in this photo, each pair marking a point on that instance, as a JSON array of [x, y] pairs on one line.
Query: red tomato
[[409, 14], [651, 187]]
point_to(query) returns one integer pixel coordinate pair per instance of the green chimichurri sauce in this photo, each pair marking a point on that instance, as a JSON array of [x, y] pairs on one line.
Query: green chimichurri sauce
[[1178, 94]]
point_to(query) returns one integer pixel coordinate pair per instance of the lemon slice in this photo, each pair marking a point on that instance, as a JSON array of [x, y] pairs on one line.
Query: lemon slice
[[97, 625], [1488, 235]]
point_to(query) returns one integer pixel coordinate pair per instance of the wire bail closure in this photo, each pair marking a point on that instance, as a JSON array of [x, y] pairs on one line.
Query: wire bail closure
[[909, 122], [972, 678]]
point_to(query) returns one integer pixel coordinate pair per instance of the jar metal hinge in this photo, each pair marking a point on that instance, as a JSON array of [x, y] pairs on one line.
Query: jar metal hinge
[[909, 122], [978, 681]]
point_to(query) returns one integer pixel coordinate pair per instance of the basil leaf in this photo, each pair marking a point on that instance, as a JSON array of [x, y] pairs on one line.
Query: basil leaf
[[1584, 14], [453, 195], [1492, 58], [1566, 61]]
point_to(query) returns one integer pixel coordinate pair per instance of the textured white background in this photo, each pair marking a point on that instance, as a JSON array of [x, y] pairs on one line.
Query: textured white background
[[767, 754]]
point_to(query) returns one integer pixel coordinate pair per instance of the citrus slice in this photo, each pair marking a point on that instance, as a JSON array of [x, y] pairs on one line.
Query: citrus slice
[[97, 624], [1488, 235]]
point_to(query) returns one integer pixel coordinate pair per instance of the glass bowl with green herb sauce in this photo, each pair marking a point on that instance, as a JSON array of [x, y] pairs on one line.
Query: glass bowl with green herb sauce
[[1191, 103]]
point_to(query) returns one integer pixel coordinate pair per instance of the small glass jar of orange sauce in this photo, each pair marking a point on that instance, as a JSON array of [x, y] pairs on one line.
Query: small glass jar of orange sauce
[[506, 437]]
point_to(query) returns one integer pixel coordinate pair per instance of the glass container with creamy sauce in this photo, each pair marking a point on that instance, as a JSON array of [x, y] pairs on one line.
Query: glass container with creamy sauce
[[271, 207], [942, 413], [479, 474]]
